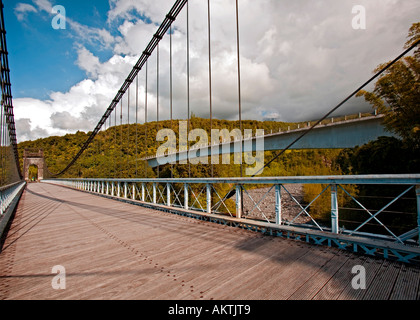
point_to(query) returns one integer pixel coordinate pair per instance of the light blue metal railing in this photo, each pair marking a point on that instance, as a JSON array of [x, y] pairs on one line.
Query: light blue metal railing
[[9, 197], [235, 202]]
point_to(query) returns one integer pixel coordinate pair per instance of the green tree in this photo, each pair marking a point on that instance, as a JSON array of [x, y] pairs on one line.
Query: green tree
[[397, 94]]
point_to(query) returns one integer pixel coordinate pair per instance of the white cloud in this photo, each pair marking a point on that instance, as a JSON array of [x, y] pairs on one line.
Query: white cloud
[[88, 62], [298, 59], [82, 33], [129, 9], [93, 36], [65, 121], [22, 9], [44, 5], [27, 132]]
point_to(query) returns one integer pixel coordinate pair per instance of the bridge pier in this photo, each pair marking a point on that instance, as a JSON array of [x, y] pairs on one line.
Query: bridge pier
[[35, 159]]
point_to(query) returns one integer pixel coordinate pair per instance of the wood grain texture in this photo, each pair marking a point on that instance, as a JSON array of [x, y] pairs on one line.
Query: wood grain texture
[[114, 250]]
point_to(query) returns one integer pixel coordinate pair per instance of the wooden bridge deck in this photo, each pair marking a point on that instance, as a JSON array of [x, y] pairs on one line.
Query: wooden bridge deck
[[114, 250]]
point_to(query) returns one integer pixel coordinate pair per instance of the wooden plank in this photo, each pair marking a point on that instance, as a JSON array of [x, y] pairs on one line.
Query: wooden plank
[[312, 286], [114, 250], [339, 281], [243, 282], [383, 283], [407, 284], [371, 265], [284, 282]]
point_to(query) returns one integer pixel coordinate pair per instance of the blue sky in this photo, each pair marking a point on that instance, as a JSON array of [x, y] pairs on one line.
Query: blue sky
[[298, 58], [38, 54]]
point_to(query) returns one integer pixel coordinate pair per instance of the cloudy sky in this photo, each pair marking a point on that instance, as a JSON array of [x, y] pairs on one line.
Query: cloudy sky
[[298, 58]]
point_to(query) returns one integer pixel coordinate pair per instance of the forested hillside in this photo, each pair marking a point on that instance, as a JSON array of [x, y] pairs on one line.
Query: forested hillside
[[117, 152]]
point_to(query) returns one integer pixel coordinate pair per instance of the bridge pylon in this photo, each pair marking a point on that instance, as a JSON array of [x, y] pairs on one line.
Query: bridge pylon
[[34, 158]]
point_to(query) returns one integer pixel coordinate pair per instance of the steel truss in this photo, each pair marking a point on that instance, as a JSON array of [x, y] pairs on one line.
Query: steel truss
[[194, 198]]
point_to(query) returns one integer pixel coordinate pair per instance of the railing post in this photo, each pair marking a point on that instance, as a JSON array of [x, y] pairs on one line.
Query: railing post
[[125, 190], [118, 189], [1, 203], [418, 211], [186, 196], [238, 201], [208, 192], [334, 209], [154, 192], [112, 189], [278, 203], [107, 187], [103, 187], [143, 192], [168, 194], [134, 191]]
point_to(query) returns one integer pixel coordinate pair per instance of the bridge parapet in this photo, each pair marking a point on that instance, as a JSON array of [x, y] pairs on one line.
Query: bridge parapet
[[349, 132], [235, 202], [33, 154]]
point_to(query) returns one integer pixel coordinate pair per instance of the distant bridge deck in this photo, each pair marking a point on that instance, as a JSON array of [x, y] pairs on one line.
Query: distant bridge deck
[[114, 250], [333, 135]]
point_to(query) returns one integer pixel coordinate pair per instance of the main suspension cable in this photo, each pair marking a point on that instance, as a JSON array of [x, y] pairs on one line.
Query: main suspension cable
[[157, 37]]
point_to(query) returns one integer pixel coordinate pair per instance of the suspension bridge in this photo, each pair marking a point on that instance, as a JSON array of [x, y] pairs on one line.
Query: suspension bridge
[[234, 238]]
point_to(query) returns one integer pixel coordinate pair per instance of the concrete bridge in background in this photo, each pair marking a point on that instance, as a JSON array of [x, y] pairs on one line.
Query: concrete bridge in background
[[332, 135]]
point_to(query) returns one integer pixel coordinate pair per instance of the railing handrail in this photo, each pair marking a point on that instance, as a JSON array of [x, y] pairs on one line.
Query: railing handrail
[[203, 201], [397, 179], [8, 186]]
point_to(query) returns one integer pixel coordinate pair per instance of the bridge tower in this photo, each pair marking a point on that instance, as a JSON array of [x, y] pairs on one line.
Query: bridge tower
[[33, 158]]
